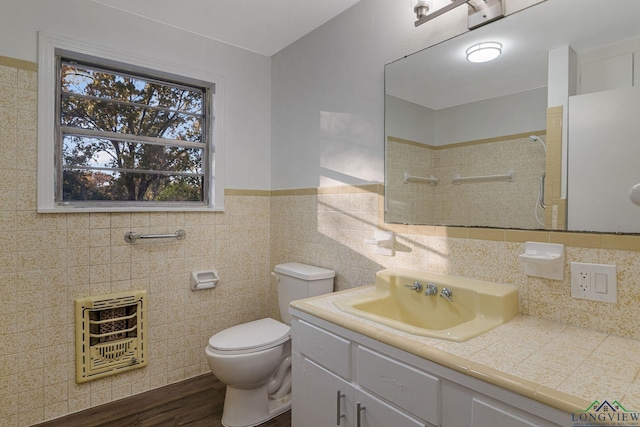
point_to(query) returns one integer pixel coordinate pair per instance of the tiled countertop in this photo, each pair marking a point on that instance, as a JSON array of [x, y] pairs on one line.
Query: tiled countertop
[[560, 365]]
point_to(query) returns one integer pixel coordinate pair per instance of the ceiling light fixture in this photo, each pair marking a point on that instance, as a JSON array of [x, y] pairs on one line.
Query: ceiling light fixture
[[483, 52]]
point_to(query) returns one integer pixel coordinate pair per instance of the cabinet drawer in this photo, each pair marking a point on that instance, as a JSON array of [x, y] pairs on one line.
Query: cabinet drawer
[[326, 349], [415, 391], [376, 413], [490, 414]]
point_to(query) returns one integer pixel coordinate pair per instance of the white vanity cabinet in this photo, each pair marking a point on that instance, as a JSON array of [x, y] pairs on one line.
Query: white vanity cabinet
[[325, 393], [328, 400], [342, 378]]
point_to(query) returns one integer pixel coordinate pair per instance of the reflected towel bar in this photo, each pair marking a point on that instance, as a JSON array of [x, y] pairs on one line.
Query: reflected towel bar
[[131, 237], [430, 179], [509, 176]]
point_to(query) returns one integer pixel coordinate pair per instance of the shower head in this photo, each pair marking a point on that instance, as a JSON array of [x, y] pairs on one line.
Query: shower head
[[535, 138]]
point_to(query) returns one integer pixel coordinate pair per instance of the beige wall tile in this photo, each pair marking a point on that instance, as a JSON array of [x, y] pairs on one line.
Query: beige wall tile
[[486, 234], [581, 240], [629, 243], [522, 236]]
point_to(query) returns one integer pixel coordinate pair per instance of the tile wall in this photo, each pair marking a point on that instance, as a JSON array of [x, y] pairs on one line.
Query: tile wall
[[493, 202], [409, 201], [329, 229], [48, 260], [468, 203]]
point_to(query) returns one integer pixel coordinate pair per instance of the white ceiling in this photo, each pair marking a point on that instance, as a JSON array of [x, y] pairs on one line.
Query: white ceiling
[[259, 26]]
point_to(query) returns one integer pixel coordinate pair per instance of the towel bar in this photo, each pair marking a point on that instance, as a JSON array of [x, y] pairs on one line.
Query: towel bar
[[131, 236]]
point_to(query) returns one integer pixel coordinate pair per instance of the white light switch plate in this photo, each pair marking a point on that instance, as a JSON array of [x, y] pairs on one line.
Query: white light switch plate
[[596, 282]]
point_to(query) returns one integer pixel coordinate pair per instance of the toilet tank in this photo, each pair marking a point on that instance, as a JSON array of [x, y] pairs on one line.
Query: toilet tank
[[298, 281]]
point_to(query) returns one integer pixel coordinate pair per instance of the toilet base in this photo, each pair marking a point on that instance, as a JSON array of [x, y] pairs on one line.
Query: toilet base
[[250, 408]]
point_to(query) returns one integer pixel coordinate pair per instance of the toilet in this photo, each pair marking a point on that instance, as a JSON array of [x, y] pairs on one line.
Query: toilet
[[254, 359]]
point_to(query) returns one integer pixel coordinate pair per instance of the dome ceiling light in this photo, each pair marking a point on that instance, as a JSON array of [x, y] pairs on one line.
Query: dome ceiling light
[[484, 52]]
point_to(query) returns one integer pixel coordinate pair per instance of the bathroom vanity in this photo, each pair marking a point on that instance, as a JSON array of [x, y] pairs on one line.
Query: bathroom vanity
[[345, 378], [395, 354], [354, 366]]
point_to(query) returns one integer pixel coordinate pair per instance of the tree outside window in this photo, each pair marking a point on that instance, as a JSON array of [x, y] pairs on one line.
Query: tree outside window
[[130, 138]]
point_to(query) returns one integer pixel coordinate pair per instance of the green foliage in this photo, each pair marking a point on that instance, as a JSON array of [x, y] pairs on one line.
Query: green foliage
[[122, 113]]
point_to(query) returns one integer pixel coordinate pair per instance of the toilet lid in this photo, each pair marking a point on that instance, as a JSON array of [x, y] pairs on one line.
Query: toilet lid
[[254, 336]]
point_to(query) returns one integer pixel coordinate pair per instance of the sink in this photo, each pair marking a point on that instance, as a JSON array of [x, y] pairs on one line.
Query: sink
[[476, 307]]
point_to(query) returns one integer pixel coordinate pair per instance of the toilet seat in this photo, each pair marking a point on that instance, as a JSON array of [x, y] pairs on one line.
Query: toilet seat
[[250, 337]]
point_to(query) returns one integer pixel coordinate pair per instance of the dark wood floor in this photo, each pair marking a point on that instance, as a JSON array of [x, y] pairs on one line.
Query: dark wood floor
[[196, 402]]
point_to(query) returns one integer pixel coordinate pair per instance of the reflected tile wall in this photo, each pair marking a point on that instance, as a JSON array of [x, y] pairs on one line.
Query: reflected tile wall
[[479, 203], [410, 202]]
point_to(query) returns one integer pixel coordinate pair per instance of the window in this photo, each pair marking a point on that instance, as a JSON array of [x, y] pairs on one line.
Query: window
[[124, 137]]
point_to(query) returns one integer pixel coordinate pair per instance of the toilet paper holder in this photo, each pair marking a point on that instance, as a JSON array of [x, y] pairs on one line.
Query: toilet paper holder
[[205, 279]]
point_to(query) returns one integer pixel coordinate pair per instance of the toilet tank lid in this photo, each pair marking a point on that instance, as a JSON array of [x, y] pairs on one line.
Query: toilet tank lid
[[304, 271]]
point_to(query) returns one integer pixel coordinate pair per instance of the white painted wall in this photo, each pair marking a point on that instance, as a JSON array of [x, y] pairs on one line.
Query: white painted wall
[[247, 76], [328, 91], [602, 57], [504, 115], [598, 136], [410, 121], [320, 100], [605, 176], [495, 117]]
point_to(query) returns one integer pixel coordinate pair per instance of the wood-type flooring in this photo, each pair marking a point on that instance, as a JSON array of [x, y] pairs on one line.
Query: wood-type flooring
[[196, 402]]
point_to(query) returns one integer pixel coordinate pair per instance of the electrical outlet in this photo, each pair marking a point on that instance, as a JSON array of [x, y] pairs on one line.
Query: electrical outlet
[[595, 282], [584, 281]]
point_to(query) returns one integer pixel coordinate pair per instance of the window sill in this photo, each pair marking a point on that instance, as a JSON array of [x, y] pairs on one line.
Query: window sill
[[112, 209]]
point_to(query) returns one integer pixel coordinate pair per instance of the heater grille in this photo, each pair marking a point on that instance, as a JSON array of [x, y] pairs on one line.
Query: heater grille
[[110, 334]]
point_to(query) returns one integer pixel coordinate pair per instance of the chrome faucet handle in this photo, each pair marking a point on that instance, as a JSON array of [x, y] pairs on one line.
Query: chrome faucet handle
[[417, 286], [432, 289], [447, 294]]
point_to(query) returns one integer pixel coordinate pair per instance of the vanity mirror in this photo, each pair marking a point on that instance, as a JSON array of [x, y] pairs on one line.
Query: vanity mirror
[[466, 142]]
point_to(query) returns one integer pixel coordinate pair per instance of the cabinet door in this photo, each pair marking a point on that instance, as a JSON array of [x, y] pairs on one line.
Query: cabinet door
[[485, 414], [376, 413], [320, 403], [414, 391]]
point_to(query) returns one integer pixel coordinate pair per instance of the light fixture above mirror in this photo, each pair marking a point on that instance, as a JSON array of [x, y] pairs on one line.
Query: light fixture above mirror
[[481, 12], [484, 52], [421, 8]]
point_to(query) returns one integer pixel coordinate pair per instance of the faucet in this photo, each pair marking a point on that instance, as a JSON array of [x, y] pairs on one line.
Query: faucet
[[417, 286], [447, 294], [432, 289]]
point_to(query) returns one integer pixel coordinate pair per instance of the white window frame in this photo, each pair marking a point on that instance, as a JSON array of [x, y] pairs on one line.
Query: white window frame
[[49, 46]]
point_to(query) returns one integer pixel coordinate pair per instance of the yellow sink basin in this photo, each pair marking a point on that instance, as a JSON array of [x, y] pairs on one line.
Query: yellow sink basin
[[476, 306]]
